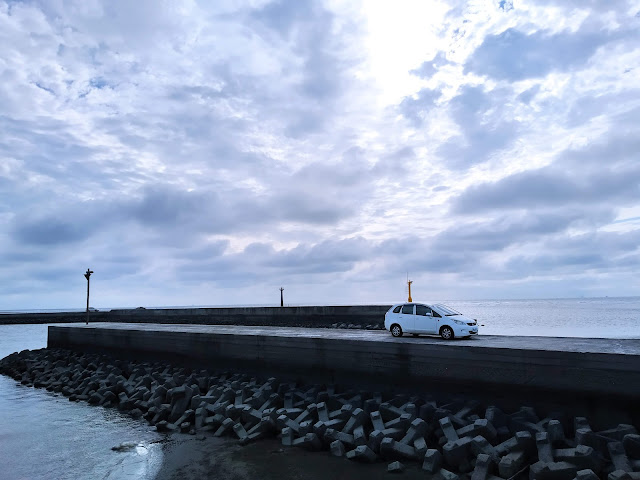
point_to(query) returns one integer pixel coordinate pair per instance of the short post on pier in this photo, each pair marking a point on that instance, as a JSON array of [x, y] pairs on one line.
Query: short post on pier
[[87, 275]]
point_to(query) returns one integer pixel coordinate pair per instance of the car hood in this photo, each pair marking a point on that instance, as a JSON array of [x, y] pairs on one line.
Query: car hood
[[464, 318]]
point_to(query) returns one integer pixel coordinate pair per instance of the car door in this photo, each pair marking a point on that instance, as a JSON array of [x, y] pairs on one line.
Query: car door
[[407, 318], [425, 322]]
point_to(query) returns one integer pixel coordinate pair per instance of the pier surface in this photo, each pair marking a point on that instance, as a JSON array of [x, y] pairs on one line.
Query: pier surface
[[589, 366]]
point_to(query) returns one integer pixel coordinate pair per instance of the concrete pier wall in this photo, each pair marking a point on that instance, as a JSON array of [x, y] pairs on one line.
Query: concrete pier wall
[[304, 316], [585, 367]]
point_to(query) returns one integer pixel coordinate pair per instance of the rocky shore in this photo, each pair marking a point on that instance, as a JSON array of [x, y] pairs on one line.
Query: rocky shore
[[451, 437]]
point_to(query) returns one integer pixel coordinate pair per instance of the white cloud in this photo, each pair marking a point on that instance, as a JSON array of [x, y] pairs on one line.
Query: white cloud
[[208, 154]]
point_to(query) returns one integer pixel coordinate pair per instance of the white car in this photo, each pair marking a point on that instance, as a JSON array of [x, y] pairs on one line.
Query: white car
[[422, 318]]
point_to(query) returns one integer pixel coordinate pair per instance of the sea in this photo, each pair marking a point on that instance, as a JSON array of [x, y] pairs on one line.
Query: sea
[[45, 436], [608, 317]]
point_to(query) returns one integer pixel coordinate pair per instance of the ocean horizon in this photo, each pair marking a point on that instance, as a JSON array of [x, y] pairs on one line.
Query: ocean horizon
[[321, 304]]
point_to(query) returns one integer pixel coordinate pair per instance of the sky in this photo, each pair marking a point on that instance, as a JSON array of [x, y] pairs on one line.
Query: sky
[[209, 153]]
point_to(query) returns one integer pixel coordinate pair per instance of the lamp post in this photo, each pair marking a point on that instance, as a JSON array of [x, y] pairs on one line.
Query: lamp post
[[281, 297], [87, 275]]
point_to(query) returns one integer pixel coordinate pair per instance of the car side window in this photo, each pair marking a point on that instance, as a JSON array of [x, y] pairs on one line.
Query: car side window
[[397, 309], [423, 310], [407, 309]]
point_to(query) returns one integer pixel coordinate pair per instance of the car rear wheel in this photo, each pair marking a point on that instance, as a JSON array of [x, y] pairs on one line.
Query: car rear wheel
[[396, 331], [446, 333]]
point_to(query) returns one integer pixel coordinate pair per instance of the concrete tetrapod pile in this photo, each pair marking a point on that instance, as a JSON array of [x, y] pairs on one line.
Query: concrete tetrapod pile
[[454, 439]]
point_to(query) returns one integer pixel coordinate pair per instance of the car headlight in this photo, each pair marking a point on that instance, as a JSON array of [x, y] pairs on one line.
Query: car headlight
[[459, 322]]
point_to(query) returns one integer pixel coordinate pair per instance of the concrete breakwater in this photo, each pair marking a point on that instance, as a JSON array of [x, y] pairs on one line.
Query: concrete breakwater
[[451, 436], [529, 365], [356, 316]]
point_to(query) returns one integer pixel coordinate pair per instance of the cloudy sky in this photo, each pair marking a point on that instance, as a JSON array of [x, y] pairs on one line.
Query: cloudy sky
[[207, 153]]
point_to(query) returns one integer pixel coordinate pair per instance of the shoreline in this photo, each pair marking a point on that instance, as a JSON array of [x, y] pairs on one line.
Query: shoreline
[[185, 457]]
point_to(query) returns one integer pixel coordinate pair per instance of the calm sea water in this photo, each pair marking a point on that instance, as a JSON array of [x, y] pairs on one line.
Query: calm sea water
[[44, 436], [583, 317]]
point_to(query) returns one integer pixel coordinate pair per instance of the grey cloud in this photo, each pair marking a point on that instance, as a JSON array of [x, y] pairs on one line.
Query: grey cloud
[[118, 267], [213, 212], [593, 5], [207, 250], [48, 146], [350, 170], [425, 255], [50, 231], [428, 68], [527, 189], [308, 208], [498, 234], [587, 107], [576, 178], [261, 261], [193, 136], [618, 153], [484, 124], [393, 165], [529, 94], [465, 246], [477, 145], [628, 120], [599, 251], [283, 15], [614, 243], [556, 263], [170, 213], [416, 109], [448, 262], [326, 256], [546, 187], [57, 223], [140, 24], [304, 123], [513, 55], [454, 251], [22, 255], [166, 206], [311, 29], [327, 192]]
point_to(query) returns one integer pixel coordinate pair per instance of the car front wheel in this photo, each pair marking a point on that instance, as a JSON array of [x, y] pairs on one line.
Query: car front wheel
[[446, 333], [396, 331]]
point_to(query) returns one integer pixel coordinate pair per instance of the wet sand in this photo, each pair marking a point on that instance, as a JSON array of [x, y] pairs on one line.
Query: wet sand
[[186, 458]]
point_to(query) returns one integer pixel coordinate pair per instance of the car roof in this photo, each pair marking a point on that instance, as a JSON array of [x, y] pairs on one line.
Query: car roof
[[414, 303]]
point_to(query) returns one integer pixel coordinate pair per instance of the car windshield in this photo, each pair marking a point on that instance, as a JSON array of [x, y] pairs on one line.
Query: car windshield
[[444, 310]]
